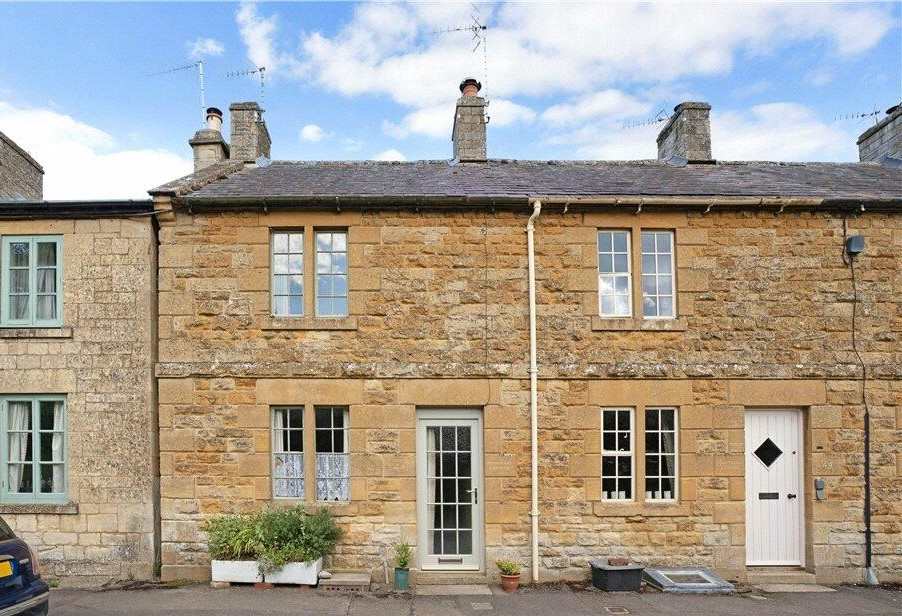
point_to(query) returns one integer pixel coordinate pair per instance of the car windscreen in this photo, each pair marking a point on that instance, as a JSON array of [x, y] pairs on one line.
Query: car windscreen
[[5, 532]]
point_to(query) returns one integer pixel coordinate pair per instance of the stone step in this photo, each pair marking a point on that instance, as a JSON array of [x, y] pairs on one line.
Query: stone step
[[346, 581], [440, 578], [780, 575]]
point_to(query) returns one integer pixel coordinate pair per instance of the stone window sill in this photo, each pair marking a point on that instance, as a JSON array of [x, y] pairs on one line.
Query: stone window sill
[[602, 324], [36, 332], [607, 508], [308, 323], [33, 508]]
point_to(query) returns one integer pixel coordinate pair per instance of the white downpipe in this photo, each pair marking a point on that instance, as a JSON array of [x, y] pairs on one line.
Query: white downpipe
[[533, 389]]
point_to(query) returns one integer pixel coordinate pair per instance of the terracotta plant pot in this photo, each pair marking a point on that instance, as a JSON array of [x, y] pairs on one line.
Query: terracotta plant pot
[[510, 583]]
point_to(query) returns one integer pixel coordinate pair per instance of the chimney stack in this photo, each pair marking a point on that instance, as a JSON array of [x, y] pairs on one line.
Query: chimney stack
[[468, 134], [208, 145], [250, 137], [883, 140], [687, 135]]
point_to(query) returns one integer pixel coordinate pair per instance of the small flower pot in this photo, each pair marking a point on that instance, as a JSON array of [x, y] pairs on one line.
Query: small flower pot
[[402, 578], [510, 583]]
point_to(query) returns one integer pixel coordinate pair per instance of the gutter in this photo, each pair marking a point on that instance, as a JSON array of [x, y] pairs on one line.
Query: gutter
[[533, 389]]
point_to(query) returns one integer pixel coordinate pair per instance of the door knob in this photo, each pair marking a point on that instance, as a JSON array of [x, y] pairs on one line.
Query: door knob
[[790, 496]]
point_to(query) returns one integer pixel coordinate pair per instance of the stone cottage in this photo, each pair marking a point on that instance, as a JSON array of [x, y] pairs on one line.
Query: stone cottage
[[77, 393], [669, 359], [21, 176]]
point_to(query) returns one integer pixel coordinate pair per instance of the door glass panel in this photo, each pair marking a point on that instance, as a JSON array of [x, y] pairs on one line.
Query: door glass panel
[[448, 484], [768, 452]]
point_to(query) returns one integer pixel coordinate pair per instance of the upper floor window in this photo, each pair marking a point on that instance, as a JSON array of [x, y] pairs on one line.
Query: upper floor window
[[31, 281], [614, 285], [331, 273], [288, 273], [33, 449], [657, 274]]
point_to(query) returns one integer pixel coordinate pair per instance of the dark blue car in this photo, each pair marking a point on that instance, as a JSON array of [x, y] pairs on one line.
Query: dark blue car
[[22, 591]]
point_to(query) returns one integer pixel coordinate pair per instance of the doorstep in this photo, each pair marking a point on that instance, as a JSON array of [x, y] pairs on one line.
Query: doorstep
[[433, 590], [419, 577], [757, 576]]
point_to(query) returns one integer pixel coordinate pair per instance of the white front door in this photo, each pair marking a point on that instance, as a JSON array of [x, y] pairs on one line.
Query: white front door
[[774, 516], [449, 489]]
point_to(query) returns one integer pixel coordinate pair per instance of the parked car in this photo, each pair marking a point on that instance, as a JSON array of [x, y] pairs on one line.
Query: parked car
[[22, 591]]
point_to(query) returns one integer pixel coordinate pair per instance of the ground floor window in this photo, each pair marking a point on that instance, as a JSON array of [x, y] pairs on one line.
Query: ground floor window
[[33, 448], [660, 454], [333, 467], [617, 454], [288, 452]]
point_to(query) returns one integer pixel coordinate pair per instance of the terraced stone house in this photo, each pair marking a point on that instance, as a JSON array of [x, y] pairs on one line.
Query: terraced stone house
[[682, 360], [358, 335]]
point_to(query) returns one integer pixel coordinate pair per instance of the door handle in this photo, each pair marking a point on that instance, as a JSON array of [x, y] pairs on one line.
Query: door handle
[[790, 496]]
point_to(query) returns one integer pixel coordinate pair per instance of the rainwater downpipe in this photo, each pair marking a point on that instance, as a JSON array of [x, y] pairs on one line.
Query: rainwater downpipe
[[533, 389]]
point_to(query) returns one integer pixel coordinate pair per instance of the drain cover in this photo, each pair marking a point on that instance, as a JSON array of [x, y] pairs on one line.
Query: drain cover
[[481, 606], [616, 609]]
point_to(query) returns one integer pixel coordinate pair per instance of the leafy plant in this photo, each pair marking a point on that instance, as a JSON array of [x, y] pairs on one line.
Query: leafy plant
[[403, 553], [273, 537], [508, 567]]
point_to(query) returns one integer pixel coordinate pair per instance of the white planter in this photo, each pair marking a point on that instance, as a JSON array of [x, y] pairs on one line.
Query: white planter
[[239, 571], [297, 573]]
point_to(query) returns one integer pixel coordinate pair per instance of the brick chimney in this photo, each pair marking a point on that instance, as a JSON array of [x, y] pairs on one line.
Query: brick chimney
[[250, 137], [208, 145], [687, 135], [468, 134], [883, 140]]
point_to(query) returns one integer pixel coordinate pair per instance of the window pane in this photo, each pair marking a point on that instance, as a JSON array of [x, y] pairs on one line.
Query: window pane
[[280, 264], [667, 419], [620, 241], [18, 254], [338, 441], [295, 264], [52, 478], [18, 281], [649, 264], [21, 479], [323, 263], [609, 442], [621, 305], [623, 420], [295, 305], [280, 242], [621, 263], [663, 241], [605, 242], [650, 307], [339, 263], [46, 280], [624, 464], [664, 264], [46, 307], [623, 441], [665, 307], [324, 441], [610, 420], [296, 242], [606, 264], [648, 242], [651, 419], [47, 254], [324, 242], [651, 442], [338, 418]]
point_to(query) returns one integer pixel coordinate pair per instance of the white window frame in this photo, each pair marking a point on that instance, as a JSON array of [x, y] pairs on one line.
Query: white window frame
[[277, 448], [332, 273], [613, 275], [274, 274], [34, 497], [676, 453], [5, 279], [618, 454], [345, 444], [656, 275]]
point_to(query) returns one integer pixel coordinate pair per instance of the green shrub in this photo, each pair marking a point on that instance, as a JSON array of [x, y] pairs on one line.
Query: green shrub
[[273, 537], [508, 567], [403, 553]]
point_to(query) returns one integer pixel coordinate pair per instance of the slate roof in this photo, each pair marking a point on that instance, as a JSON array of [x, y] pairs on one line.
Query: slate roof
[[521, 178]]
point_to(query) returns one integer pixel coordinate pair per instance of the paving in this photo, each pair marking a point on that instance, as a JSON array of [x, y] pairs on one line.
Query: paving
[[553, 600]]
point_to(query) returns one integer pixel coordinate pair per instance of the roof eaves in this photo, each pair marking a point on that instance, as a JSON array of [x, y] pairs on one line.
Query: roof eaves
[[197, 180]]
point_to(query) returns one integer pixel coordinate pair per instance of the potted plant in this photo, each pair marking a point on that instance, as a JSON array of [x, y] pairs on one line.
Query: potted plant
[[510, 574], [402, 569], [276, 546]]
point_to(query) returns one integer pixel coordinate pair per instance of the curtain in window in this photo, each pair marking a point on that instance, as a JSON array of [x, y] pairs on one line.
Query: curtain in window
[[56, 448], [19, 419], [332, 472]]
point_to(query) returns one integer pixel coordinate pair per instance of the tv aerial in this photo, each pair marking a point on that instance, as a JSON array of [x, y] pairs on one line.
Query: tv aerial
[[260, 72], [199, 66]]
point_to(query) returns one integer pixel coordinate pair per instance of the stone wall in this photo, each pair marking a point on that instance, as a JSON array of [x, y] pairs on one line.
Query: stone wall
[[102, 361], [21, 177], [438, 317]]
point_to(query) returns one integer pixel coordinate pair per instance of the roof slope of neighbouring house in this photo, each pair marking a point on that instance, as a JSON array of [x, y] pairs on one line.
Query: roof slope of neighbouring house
[[526, 178]]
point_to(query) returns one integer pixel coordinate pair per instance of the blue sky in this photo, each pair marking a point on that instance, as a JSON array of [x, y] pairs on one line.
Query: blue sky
[[374, 81]]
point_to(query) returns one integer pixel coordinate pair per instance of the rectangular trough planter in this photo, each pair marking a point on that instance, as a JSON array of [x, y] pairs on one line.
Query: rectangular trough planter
[[614, 578], [235, 571], [297, 573]]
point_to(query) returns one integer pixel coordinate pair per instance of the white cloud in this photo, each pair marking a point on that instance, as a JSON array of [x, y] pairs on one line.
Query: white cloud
[[609, 103], [504, 112], [203, 47], [391, 154], [313, 133], [83, 162], [775, 131], [259, 37], [819, 76]]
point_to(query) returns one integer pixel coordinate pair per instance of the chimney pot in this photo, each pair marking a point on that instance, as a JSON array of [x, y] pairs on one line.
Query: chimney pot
[[214, 119], [884, 139], [468, 134], [470, 87], [687, 135]]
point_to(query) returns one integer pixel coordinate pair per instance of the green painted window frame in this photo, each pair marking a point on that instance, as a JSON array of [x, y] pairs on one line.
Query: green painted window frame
[[34, 497], [32, 320]]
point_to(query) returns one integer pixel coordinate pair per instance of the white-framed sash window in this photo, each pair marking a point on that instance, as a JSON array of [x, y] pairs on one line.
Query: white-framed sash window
[[617, 463], [31, 281], [333, 465], [288, 452], [614, 272], [33, 449], [287, 253], [661, 454], [331, 273], [658, 295]]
